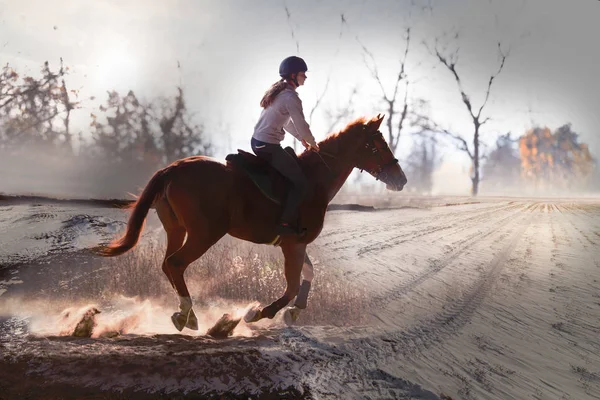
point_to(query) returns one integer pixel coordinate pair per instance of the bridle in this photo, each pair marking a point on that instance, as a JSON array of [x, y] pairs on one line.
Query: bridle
[[382, 170]]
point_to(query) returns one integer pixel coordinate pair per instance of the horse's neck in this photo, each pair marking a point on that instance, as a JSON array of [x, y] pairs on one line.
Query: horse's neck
[[336, 182], [332, 174]]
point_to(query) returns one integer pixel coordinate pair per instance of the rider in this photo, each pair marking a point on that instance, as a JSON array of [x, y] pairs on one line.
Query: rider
[[282, 109]]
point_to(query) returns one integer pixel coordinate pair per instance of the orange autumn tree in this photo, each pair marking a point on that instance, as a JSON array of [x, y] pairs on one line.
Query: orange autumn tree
[[555, 160]]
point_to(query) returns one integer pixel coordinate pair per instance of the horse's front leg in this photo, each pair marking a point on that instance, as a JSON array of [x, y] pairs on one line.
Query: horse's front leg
[[294, 259], [292, 314], [308, 274]]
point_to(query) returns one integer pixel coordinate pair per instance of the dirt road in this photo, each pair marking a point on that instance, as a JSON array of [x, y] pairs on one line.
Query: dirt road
[[491, 299]]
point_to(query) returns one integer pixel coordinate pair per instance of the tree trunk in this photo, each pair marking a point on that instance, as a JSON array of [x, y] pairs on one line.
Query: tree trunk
[[475, 179], [389, 126]]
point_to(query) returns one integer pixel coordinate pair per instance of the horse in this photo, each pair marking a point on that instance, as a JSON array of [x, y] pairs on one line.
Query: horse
[[199, 199]]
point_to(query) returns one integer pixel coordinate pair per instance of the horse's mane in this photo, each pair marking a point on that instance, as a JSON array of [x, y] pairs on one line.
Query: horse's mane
[[351, 127], [333, 141]]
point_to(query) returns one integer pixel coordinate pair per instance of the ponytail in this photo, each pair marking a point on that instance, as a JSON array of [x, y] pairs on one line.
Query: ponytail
[[272, 92]]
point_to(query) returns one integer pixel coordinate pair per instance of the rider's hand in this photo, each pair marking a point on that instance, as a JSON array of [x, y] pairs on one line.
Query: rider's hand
[[310, 147]]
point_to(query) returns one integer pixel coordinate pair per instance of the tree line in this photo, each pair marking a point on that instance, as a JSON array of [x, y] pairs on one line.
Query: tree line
[[36, 112]]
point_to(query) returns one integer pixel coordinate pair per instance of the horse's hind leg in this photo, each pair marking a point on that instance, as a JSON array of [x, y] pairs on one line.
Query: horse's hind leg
[[176, 264], [175, 232], [175, 237]]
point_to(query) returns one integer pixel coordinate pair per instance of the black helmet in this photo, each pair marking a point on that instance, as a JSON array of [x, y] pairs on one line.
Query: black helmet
[[292, 65]]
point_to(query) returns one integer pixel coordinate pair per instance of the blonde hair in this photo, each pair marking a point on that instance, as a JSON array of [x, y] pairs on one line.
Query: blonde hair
[[272, 92]]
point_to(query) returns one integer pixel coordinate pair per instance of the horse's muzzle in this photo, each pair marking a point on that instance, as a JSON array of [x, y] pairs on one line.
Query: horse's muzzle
[[394, 187]]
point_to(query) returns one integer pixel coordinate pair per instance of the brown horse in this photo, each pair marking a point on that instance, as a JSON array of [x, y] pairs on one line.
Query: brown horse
[[203, 199]]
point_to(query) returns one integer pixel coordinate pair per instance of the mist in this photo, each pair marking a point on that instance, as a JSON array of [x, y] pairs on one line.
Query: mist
[[355, 51]]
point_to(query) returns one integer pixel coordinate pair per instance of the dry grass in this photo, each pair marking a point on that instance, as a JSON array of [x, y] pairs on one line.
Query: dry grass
[[229, 271]]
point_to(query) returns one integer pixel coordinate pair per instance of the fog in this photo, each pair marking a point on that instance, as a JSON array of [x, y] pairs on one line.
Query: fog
[[224, 55]]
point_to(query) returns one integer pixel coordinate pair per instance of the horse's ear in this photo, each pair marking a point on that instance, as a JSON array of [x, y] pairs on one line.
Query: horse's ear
[[375, 123]]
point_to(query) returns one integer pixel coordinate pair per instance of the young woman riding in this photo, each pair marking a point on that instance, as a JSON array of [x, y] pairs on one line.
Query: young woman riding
[[282, 109]]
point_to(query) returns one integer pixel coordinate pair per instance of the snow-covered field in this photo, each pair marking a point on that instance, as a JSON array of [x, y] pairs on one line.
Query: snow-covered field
[[488, 298]]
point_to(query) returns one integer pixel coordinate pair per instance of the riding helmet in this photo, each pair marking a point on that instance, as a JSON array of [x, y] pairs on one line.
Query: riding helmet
[[292, 65]]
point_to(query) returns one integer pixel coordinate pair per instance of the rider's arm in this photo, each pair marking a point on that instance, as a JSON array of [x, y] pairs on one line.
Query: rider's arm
[[294, 107], [292, 129]]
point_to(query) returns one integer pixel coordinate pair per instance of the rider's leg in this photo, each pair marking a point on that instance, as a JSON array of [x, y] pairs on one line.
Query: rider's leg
[[285, 163], [289, 167]]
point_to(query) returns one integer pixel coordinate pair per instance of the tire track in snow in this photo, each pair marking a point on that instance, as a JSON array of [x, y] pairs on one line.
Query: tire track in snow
[[396, 240], [447, 323], [438, 265], [348, 237]]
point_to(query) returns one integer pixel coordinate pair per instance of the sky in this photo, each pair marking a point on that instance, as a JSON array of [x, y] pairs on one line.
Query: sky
[[225, 54]]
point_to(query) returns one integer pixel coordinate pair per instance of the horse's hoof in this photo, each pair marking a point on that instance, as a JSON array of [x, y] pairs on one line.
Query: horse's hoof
[[291, 315], [253, 315], [192, 322], [179, 320], [224, 327]]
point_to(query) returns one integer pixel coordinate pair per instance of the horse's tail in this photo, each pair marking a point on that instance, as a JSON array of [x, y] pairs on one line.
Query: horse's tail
[[135, 225]]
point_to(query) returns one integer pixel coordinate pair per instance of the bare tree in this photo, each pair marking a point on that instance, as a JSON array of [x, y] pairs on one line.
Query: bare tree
[[450, 61], [69, 106], [127, 135], [394, 107], [422, 162], [153, 133], [31, 109], [180, 136]]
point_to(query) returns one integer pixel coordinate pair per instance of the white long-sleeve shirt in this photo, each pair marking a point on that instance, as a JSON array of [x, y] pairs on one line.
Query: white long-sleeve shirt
[[284, 113]]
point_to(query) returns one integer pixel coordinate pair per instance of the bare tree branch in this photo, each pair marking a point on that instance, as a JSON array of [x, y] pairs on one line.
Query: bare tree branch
[[31, 89], [401, 74], [319, 99], [487, 94], [374, 71], [428, 125], [37, 122], [322, 95], [403, 115], [393, 137], [289, 20], [450, 63], [341, 113]]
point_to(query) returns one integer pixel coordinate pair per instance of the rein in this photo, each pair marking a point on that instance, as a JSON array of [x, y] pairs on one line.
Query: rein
[[380, 173], [322, 159]]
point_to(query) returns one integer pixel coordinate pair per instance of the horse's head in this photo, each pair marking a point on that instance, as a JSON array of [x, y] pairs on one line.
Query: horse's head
[[375, 157]]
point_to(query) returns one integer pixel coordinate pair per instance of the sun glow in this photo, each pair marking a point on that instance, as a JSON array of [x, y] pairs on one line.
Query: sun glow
[[117, 68]]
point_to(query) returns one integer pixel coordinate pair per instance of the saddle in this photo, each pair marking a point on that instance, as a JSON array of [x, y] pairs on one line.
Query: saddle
[[268, 180]]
